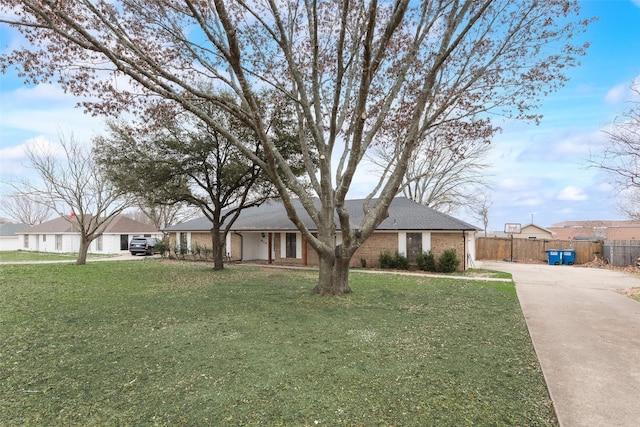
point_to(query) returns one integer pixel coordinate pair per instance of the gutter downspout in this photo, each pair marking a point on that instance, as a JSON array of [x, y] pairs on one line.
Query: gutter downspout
[[464, 251]]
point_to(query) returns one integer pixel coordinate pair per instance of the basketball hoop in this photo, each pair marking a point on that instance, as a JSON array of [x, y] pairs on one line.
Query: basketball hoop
[[512, 228]]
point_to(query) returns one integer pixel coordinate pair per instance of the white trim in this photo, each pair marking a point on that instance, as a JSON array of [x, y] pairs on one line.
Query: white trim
[[283, 244], [402, 243], [426, 241]]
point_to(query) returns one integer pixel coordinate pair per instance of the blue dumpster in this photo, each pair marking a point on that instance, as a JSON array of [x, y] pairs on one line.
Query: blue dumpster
[[554, 256], [568, 256]]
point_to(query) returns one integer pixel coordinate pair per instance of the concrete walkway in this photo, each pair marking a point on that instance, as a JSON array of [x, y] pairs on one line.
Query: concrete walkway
[[587, 338]]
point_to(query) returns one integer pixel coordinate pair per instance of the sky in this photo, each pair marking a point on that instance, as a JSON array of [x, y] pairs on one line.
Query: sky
[[538, 173]]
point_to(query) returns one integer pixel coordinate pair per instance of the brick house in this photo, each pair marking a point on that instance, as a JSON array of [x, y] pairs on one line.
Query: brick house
[[265, 233]]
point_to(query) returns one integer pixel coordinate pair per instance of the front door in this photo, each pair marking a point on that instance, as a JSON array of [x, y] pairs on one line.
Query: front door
[[414, 246]]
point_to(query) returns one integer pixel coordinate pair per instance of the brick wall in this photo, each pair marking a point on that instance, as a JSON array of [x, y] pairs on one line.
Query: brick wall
[[376, 244], [370, 251], [440, 242]]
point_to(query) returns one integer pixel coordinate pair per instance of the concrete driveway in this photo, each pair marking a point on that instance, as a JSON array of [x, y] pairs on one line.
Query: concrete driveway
[[587, 338]]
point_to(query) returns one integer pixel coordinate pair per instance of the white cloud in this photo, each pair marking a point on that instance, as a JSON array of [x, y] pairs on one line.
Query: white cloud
[[617, 94], [14, 160], [605, 187], [572, 193]]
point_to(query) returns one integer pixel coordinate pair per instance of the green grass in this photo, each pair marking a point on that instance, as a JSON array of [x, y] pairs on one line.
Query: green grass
[[21, 256], [163, 343], [481, 272]]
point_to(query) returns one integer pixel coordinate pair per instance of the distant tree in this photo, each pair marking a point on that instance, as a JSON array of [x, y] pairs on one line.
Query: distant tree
[[22, 209], [73, 186], [358, 73], [621, 158], [448, 168], [481, 211], [629, 204], [160, 216]]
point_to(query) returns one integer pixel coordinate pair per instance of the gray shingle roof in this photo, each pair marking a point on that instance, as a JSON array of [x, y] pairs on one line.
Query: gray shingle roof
[[404, 214], [11, 229], [119, 225]]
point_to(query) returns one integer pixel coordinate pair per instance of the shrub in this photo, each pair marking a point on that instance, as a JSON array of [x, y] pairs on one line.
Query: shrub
[[180, 251], [196, 250], [400, 262], [207, 252], [396, 261], [426, 261], [162, 247], [448, 261], [363, 262], [385, 259]]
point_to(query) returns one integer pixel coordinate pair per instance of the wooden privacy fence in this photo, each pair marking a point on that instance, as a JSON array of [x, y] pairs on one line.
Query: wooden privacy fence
[[497, 248], [621, 252]]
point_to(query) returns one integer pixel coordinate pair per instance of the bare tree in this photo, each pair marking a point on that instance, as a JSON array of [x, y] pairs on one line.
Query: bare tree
[[629, 203], [73, 187], [621, 158], [25, 210], [481, 211], [160, 216], [447, 170], [358, 72]]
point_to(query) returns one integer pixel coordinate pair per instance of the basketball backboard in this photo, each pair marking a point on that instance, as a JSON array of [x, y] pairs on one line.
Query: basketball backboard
[[512, 228]]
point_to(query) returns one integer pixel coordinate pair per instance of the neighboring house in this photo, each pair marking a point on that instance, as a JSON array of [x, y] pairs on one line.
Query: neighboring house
[[9, 239], [532, 231], [58, 235], [596, 230], [265, 233]]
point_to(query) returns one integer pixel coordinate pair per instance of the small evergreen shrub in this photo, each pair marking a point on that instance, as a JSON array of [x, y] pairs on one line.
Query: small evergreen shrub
[[400, 262], [162, 247], [385, 259], [426, 261], [395, 261], [448, 261]]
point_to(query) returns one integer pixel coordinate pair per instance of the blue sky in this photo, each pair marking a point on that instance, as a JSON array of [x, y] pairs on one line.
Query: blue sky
[[537, 171]]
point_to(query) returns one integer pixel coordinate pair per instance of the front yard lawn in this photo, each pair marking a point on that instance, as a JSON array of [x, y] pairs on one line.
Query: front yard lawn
[[165, 343], [21, 256]]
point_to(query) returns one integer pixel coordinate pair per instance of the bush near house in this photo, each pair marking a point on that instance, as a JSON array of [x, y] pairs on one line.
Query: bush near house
[[395, 261], [449, 261], [426, 261]]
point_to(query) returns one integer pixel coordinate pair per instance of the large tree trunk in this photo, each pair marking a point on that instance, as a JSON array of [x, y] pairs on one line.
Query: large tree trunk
[[333, 278], [82, 251], [334, 275], [217, 238]]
